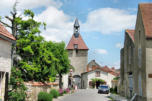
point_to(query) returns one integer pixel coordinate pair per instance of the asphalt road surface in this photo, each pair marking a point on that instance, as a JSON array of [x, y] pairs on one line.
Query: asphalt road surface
[[86, 95]]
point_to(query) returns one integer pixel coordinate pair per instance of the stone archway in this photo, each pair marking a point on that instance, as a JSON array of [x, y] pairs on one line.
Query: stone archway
[[77, 81]]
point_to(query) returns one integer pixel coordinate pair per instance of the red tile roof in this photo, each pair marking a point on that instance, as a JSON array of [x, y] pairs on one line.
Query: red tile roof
[[104, 69], [131, 34], [79, 41], [146, 12], [5, 33]]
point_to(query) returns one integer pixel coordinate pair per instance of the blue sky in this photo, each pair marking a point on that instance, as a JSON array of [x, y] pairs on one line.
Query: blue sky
[[102, 23]]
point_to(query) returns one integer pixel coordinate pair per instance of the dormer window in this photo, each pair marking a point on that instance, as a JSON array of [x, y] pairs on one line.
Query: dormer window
[[75, 46]]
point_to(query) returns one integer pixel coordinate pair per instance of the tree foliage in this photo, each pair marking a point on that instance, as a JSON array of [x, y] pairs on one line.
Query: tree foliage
[[61, 63]]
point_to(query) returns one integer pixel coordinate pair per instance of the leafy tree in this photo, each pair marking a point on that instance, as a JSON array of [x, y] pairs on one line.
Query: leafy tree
[[116, 78], [35, 59], [96, 81], [62, 63]]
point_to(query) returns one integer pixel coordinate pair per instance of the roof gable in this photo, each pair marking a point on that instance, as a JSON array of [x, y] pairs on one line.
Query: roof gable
[[79, 41], [105, 69], [131, 34], [146, 13], [93, 62], [5, 33]]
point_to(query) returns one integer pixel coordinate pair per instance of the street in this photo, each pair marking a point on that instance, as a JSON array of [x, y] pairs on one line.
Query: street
[[86, 95]]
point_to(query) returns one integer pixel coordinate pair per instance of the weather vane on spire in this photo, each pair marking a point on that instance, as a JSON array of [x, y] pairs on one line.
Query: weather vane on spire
[[76, 28]]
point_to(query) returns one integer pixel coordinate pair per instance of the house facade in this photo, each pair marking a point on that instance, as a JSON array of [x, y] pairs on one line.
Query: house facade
[[6, 40], [94, 70], [127, 65]]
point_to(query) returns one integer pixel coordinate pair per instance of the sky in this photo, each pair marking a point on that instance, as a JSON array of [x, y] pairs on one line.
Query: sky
[[102, 23]]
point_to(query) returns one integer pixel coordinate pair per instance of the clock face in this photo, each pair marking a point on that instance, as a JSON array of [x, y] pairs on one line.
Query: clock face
[[76, 34]]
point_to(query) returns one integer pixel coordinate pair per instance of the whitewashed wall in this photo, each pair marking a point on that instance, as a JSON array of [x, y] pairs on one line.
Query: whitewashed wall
[[65, 81], [5, 56], [5, 64], [103, 75], [149, 71]]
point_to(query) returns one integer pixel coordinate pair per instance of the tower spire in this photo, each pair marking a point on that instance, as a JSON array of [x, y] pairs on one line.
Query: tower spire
[[76, 28]]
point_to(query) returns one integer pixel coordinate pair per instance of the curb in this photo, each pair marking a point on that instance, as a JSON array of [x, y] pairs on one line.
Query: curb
[[116, 97]]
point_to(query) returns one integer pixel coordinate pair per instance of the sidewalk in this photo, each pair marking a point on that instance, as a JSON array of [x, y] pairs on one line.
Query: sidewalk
[[116, 97], [60, 98]]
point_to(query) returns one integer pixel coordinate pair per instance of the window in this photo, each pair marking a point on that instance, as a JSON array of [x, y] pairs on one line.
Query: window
[[97, 73], [139, 56], [140, 84], [130, 54], [139, 51], [75, 46], [139, 39]]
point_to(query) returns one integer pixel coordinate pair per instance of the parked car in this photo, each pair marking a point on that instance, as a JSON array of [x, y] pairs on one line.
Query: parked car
[[103, 89]]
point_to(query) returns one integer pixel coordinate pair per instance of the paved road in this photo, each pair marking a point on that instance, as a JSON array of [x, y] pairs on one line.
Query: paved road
[[86, 95]]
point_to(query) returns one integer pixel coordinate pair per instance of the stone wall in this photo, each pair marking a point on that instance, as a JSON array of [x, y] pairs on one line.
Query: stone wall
[[33, 89], [79, 60]]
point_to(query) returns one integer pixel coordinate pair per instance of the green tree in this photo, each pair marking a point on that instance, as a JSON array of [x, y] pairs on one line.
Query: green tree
[[62, 63], [34, 57]]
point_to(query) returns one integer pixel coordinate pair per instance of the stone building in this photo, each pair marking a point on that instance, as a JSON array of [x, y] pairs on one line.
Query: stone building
[[78, 54], [143, 53], [6, 40], [141, 62], [127, 65]]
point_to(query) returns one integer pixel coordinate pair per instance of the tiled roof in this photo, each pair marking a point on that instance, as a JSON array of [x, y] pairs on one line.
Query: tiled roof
[[130, 33], [79, 41], [104, 69], [5, 33], [146, 12]]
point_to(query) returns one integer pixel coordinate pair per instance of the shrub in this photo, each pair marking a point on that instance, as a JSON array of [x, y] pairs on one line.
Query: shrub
[[115, 89], [67, 90], [111, 90], [44, 96], [64, 91], [54, 93], [61, 92]]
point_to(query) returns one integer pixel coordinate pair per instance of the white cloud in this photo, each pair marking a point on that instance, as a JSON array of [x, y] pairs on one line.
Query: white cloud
[[119, 45], [101, 51], [59, 25], [6, 4], [109, 20]]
